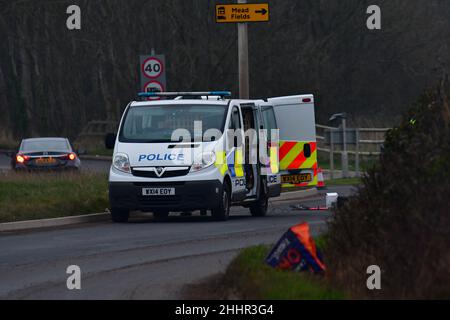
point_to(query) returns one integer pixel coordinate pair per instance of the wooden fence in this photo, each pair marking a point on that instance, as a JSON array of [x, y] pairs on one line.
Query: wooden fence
[[368, 143]]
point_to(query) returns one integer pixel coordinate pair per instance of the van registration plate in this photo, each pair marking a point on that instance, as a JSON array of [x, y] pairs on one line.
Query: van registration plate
[[158, 191], [296, 178]]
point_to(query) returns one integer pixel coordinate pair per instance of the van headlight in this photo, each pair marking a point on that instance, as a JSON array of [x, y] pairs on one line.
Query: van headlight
[[203, 161], [121, 162]]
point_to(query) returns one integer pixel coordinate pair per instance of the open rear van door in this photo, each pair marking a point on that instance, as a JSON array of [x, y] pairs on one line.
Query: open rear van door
[[272, 168], [298, 146]]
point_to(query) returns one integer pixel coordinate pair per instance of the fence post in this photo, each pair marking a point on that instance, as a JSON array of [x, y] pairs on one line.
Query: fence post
[[344, 154], [331, 155], [357, 153]]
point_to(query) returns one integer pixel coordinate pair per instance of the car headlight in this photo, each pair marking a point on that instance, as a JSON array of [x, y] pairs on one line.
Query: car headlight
[[203, 161], [121, 162]]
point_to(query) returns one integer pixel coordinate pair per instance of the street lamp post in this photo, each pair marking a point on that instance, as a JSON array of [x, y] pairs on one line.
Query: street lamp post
[[344, 154]]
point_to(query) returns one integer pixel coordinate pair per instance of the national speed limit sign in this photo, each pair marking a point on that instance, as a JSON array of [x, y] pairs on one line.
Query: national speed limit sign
[[153, 86], [152, 68]]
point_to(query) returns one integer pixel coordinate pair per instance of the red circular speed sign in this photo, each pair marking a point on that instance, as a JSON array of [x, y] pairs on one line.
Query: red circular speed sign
[[152, 68]]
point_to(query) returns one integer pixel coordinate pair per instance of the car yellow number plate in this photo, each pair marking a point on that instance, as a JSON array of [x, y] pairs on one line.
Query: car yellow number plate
[[43, 161], [296, 178]]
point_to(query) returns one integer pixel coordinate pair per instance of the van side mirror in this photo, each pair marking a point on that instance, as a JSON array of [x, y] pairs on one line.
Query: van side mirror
[[110, 140]]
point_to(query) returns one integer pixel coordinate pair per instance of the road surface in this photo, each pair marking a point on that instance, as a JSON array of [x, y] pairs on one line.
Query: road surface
[[143, 259]]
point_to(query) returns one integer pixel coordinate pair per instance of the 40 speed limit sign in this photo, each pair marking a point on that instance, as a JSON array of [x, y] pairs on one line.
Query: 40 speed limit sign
[[152, 67], [153, 72]]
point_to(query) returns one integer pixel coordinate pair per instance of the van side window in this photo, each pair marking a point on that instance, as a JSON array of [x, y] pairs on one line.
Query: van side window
[[269, 120], [235, 124], [235, 121]]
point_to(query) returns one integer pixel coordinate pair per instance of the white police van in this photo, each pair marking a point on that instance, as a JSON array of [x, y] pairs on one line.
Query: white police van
[[193, 151]]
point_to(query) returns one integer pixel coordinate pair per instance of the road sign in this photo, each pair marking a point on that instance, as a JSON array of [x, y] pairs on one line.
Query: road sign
[[153, 86], [152, 67], [153, 72], [247, 12]]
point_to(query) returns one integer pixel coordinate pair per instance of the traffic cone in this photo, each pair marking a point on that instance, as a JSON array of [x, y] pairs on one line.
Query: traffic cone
[[320, 180]]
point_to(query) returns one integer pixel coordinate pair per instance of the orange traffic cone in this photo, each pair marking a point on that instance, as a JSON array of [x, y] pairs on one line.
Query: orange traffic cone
[[320, 180]]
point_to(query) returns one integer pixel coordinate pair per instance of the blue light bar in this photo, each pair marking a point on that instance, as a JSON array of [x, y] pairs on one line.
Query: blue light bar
[[221, 93], [147, 94]]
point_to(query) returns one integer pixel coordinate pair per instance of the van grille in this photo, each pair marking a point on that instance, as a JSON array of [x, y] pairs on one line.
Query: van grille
[[166, 174], [159, 184]]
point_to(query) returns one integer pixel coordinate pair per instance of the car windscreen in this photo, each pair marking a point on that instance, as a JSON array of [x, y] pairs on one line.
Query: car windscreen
[[44, 145], [157, 123]]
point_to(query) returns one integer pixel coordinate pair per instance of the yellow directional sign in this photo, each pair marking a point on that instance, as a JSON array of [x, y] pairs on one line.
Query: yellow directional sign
[[246, 12]]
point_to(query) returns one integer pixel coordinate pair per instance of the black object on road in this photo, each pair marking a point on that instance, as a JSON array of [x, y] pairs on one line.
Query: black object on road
[[306, 208], [341, 201]]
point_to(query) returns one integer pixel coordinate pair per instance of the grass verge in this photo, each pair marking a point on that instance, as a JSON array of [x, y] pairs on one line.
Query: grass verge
[[256, 280], [248, 277], [29, 196], [343, 182], [365, 162]]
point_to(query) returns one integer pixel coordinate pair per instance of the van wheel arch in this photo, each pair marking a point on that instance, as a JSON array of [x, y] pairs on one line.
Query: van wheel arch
[[222, 211], [260, 207], [227, 183]]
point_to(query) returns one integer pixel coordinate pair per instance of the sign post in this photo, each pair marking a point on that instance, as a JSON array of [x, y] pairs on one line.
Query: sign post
[[153, 73], [244, 90], [242, 13]]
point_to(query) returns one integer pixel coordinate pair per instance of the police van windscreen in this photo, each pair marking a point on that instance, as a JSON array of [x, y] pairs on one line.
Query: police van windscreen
[[158, 123]]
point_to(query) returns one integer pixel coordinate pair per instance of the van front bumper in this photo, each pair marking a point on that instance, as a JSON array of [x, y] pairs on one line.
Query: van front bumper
[[189, 195]]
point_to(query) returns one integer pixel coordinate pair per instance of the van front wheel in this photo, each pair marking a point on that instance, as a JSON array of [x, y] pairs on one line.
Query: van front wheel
[[222, 212], [119, 215], [260, 207]]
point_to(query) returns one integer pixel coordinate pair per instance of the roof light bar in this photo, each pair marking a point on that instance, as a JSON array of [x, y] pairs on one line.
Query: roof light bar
[[171, 94]]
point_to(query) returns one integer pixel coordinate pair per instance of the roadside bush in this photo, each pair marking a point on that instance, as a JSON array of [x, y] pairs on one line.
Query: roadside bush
[[400, 217]]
